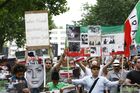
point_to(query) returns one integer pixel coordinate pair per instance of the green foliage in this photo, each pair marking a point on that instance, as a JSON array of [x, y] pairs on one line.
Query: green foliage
[[107, 12], [12, 22]]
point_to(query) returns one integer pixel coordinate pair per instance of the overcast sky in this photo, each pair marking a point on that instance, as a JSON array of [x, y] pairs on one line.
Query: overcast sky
[[74, 14]]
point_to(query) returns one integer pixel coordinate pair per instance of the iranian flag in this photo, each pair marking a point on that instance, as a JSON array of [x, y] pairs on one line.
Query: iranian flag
[[132, 29]]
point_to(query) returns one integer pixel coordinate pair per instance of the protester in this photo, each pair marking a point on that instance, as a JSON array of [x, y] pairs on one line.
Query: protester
[[18, 78], [89, 80], [116, 74], [83, 64], [133, 77], [49, 69], [63, 66], [55, 84]]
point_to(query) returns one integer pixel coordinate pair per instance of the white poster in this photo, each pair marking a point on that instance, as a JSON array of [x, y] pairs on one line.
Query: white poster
[[94, 40], [112, 43], [37, 33]]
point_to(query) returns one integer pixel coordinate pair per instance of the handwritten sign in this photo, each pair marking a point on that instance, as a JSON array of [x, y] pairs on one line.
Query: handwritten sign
[[36, 24]]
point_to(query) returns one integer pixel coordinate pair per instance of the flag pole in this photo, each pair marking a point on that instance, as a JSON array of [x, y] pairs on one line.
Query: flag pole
[[122, 64]]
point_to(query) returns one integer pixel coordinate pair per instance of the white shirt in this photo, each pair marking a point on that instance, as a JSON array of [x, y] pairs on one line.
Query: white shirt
[[100, 85]]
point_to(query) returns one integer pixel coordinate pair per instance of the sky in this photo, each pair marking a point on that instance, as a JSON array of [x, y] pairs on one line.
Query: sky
[[74, 14]]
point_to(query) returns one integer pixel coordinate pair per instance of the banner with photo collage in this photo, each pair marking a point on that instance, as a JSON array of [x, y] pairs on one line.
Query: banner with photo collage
[[112, 40], [95, 40], [74, 42]]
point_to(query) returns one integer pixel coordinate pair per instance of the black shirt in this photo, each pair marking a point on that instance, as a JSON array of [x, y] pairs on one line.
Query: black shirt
[[134, 76]]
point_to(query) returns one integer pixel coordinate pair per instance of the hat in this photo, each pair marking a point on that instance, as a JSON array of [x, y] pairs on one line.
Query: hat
[[116, 62], [94, 62]]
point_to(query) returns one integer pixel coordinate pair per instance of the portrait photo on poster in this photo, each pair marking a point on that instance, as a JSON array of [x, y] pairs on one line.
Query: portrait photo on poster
[[34, 75], [105, 49], [84, 38], [95, 30], [94, 40], [112, 40], [91, 41], [74, 46], [73, 33], [93, 50], [108, 39]]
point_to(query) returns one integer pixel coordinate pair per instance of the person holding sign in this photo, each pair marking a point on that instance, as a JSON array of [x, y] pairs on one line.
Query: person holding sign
[[56, 85], [18, 80], [34, 74], [65, 71], [116, 74]]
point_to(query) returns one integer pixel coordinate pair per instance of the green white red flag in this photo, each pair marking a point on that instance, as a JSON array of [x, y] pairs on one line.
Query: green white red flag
[[132, 29]]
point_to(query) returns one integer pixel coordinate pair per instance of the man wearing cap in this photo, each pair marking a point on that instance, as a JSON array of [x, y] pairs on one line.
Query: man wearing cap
[[89, 80], [116, 74], [133, 77]]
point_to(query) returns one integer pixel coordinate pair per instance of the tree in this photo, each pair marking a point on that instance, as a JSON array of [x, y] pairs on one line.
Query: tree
[[107, 12], [12, 25]]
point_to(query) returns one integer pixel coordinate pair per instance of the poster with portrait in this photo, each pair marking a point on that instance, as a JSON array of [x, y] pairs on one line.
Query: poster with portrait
[[73, 33], [84, 39], [95, 51], [107, 49], [55, 50], [34, 73], [112, 43], [108, 39], [94, 30], [74, 46], [95, 40]]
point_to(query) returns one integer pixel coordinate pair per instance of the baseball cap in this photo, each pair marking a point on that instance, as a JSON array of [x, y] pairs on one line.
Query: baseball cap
[[94, 62], [116, 63]]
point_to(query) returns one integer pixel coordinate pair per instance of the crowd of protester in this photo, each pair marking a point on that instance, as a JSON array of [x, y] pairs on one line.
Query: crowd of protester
[[71, 75]]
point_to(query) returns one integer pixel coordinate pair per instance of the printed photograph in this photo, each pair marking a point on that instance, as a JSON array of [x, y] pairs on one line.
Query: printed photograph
[[94, 40], [94, 30], [84, 38], [73, 33], [74, 46]]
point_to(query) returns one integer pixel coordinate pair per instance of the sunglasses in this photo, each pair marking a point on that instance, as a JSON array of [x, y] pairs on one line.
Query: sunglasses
[[48, 63]]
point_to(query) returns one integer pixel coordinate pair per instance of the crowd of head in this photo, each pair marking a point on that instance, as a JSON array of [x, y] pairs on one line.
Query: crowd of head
[[38, 74]]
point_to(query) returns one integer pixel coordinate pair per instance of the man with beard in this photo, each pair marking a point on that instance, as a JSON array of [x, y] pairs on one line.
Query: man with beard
[[116, 74]]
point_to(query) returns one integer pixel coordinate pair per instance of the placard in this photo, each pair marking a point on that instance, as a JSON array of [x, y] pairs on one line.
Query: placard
[[36, 24]]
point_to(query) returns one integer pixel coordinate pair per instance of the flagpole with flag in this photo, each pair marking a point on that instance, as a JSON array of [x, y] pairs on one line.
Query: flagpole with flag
[[132, 29]]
